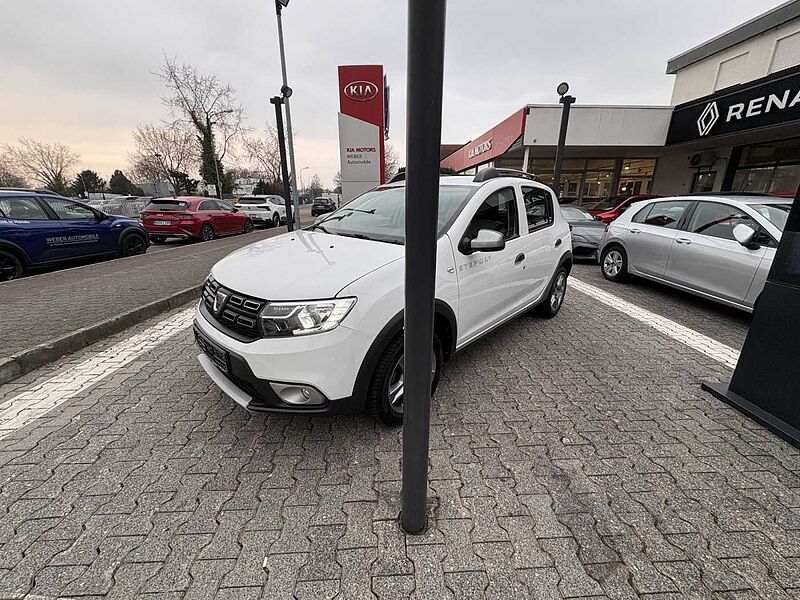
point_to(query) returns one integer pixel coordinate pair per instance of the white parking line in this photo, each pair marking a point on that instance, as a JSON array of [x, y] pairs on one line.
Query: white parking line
[[697, 341], [38, 400]]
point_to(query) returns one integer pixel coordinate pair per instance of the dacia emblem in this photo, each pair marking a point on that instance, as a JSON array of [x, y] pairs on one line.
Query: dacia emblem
[[219, 301]]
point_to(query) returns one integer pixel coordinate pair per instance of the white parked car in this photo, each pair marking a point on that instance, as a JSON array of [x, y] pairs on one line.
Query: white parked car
[[719, 247], [263, 210], [311, 321]]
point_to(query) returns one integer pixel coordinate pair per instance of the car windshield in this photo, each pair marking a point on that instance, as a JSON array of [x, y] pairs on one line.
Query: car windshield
[[609, 203], [380, 214], [165, 205], [777, 214], [575, 214]]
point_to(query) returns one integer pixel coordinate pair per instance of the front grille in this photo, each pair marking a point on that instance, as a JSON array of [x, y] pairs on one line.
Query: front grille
[[233, 310]]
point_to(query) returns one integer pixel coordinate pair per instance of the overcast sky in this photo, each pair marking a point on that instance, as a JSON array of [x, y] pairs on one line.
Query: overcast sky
[[81, 72]]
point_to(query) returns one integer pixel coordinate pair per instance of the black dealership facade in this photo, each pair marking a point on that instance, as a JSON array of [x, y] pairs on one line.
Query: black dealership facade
[[754, 127]]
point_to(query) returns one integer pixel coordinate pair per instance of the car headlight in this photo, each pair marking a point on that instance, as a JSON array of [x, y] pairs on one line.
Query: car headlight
[[303, 318]]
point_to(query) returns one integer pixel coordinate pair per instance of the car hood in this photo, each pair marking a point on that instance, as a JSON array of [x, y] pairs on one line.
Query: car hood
[[303, 265]]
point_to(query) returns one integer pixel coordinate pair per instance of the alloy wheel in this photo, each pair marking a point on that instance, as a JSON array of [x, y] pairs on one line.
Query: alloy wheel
[[134, 245], [612, 263], [276, 221], [8, 269], [207, 233], [396, 383], [559, 291]]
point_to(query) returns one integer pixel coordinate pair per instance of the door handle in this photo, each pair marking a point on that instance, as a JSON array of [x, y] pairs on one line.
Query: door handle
[[636, 231], [519, 259], [683, 241], [558, 242]]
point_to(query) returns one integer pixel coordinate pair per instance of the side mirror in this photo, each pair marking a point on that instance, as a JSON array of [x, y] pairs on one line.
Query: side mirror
[[598, 218], [234, 209], [622, 209], [488, 241], [744, 234]]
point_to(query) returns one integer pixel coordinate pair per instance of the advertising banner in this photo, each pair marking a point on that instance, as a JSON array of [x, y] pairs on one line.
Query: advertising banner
[[362, 119]]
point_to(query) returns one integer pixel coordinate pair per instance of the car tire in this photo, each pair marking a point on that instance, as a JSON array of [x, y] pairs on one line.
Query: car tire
[[554, 299], [276, 220], [133, 244], [206, 233], [10, 266], [248, 226], [614, 263], [384, 399]]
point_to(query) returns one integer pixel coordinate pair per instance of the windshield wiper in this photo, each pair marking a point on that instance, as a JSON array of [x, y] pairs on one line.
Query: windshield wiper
[[318, 226], [371, 211]]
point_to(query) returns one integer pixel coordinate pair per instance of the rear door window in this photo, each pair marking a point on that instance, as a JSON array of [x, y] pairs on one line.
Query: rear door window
[[67, 210], [208, 205], [22, 209], [538, 207], [662, 214]]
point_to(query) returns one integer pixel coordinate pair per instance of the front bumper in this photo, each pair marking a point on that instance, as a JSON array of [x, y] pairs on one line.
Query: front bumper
[[328, 362]]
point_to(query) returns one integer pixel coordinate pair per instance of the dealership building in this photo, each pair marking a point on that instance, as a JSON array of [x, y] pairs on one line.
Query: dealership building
[[733, 124]]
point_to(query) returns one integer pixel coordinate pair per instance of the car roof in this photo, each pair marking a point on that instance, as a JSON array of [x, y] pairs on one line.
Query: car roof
[[732, 198]]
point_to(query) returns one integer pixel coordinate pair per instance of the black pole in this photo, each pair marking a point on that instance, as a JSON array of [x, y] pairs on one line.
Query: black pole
[[287, 198], [567, 101], [426, 28]]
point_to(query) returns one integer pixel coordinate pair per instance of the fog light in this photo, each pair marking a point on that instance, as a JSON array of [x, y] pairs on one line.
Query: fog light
[[298, 394]]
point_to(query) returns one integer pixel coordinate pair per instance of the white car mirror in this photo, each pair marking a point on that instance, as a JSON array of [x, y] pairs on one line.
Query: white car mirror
[[488, 241], [744, 234]]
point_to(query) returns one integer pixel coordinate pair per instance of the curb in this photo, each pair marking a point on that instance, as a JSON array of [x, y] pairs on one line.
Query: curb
[[26, 361]]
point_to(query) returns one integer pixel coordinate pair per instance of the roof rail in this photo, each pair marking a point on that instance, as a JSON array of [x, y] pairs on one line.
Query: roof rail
[[494, 173], [31, 190]]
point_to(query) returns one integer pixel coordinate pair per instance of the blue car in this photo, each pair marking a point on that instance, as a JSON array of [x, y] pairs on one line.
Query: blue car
[[39, 229]]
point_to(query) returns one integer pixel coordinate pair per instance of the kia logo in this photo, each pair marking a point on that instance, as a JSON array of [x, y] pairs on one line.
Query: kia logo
[[361, 91]]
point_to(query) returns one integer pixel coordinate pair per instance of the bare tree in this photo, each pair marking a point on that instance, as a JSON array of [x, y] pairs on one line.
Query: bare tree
[[162, 153], [46, 164], [392, 162], [9, 177], [211, 109], [263, 155]]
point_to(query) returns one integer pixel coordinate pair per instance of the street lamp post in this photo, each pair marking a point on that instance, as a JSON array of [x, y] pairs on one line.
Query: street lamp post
[[287, 92], [302, 184], [426, 29], [157, 156], [567, 101], [277, 101]]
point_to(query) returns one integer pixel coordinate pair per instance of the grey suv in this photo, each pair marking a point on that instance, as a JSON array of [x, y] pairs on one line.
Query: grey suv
[[718, 247]]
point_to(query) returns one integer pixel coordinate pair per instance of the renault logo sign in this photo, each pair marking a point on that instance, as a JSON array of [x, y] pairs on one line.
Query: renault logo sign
[[708, 118], [219, 301]]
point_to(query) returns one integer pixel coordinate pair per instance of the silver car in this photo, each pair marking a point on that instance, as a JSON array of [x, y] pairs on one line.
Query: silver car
[[718, 247]]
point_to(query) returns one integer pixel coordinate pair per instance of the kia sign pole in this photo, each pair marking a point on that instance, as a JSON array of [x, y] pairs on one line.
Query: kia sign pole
[[277, 101], [426, 28], [287, 92], [567, 101]]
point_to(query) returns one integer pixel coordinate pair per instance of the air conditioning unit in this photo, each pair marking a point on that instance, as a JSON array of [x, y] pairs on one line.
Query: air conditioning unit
[[703, 159]]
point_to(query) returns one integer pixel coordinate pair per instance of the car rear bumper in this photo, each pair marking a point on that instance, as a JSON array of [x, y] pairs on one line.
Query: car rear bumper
[[179, 231], [327, 363]]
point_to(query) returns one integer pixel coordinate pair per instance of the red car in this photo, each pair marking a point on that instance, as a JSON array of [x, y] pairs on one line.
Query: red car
[[610, 208], [192, 218]]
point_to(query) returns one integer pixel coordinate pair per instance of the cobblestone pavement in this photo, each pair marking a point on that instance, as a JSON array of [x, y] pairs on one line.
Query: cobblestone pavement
[[726, 325], [39, 308], [570, 458]]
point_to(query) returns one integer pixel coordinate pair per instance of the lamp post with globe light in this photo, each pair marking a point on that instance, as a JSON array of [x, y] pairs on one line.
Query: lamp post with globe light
[[286, 92], [567, 101]]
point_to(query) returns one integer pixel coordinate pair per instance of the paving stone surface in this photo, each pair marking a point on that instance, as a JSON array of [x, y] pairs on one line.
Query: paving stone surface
[[50, 305], [570, 458]]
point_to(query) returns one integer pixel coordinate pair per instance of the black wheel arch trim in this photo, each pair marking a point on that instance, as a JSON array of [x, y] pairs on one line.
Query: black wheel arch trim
[[389, 331], [17, 250]]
